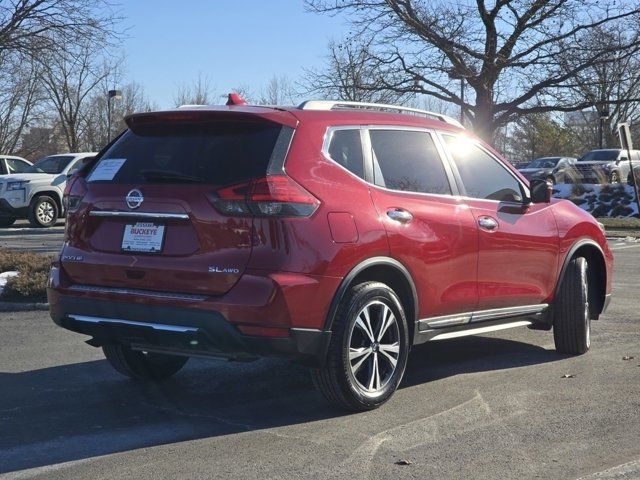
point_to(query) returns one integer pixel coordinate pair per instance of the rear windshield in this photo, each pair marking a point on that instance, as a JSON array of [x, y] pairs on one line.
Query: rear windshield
[[211, 153]]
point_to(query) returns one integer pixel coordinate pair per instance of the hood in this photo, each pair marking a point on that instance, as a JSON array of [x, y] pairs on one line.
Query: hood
[[21, 177], [595, 162], [535, 170]]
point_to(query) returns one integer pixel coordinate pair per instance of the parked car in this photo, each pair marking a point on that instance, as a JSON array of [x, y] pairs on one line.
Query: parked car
[[336, 234], [553, 169], [604, 166], [36, 192], [10, 164]]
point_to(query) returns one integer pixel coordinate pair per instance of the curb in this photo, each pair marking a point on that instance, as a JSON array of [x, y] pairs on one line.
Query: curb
[[22, 306]]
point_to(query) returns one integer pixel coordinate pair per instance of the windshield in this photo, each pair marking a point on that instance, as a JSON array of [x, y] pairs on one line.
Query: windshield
[[544, 163], [599, 156], [53, 165]]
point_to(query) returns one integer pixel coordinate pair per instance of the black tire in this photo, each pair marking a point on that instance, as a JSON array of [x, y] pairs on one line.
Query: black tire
[[143, 365], [572, 318], [615, 177], [43, 212], [7, 222], [340, 381]]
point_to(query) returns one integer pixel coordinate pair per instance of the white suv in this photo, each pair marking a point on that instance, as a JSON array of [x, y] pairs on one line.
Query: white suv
[[36, 193]]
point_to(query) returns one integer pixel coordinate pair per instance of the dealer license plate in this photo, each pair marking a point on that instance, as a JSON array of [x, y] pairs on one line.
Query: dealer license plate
[[143, 237]]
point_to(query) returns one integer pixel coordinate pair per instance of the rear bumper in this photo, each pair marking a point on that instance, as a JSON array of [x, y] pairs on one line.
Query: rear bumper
[[184, 326], [182, 331]]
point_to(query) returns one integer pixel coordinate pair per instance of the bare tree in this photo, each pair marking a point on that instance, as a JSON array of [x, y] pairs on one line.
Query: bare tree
[[95, 117], [510, 53], [199, 92], [278, 91], [352, 73], [612, 87], [34, 27], [20, 99], [70, 77]]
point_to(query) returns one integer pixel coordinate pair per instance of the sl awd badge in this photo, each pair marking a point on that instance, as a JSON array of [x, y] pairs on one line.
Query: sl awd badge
[[216, 269]]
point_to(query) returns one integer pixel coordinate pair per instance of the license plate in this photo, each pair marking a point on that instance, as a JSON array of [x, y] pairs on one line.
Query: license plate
[[143, 237]]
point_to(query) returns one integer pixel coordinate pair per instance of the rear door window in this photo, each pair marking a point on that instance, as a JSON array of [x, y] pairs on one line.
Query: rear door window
[[214, 153], [345, 148], [17, 166], [409, 161]]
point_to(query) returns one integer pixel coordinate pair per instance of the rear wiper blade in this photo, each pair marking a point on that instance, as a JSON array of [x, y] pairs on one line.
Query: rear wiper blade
[[168, 175]]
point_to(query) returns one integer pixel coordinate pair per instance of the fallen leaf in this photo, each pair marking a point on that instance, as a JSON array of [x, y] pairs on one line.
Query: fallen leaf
[[568, 375], [628, 357], [403, 462]]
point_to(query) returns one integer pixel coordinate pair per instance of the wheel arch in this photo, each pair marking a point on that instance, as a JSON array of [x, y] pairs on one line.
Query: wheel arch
[[388, 271], [594, 255], [49, 193]]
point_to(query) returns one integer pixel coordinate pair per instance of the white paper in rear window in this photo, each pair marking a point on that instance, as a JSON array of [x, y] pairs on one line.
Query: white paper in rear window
[[106, 169]]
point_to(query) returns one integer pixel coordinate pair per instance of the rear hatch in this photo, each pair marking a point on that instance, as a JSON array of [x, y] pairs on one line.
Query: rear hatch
[[147, 218]]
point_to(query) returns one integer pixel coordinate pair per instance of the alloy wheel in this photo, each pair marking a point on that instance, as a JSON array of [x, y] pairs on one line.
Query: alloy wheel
[[45, 212], [374, 346]]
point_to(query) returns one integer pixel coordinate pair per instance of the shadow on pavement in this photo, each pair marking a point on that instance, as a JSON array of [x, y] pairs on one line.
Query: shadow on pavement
[[82, 410], [442, 359]]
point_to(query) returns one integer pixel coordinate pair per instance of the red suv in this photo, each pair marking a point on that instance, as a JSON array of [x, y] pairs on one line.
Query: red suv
[[336, 234]]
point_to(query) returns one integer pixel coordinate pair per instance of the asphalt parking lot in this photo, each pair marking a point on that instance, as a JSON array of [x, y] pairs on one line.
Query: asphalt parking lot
[[22, 236], [489, 407]]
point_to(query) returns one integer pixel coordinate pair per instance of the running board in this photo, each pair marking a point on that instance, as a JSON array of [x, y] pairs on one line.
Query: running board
[[479, 330], [460, 319]]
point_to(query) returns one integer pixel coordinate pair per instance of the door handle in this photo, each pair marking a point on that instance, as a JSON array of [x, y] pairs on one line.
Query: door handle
[[487, 223], [399, 215]]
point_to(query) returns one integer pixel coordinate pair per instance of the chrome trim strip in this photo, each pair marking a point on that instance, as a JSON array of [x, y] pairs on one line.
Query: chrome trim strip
[[479, 316], [119, 321], [152, 215], [496, 313], [145, 293], [475, 331], [448, 320]]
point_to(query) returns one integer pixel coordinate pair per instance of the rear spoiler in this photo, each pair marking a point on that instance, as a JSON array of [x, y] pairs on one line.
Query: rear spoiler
[[213, 114]]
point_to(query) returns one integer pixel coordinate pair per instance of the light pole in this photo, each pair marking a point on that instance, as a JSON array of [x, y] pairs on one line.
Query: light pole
[[113, 94], [453, 75], [603, 114]]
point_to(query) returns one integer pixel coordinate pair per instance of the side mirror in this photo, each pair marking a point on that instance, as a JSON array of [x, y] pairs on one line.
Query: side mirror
[[541, 191]]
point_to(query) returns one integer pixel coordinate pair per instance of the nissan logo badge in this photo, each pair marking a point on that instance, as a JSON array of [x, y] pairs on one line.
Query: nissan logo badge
[[134, 199]]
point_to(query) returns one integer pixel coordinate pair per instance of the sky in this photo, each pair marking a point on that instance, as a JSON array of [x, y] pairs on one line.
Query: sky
[[231, 42]]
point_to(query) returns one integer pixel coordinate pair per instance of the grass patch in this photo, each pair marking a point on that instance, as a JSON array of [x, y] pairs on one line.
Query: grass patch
[[33, 272]]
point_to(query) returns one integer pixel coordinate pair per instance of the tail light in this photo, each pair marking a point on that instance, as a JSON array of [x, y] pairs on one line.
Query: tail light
[[74, 192], [270, 196]]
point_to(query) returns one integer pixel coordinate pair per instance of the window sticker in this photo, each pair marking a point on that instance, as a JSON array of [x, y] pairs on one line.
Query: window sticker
[[106, 169]]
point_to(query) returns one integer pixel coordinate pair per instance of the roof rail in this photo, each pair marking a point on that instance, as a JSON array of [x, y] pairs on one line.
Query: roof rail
[[191, 105], [344, 105]]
